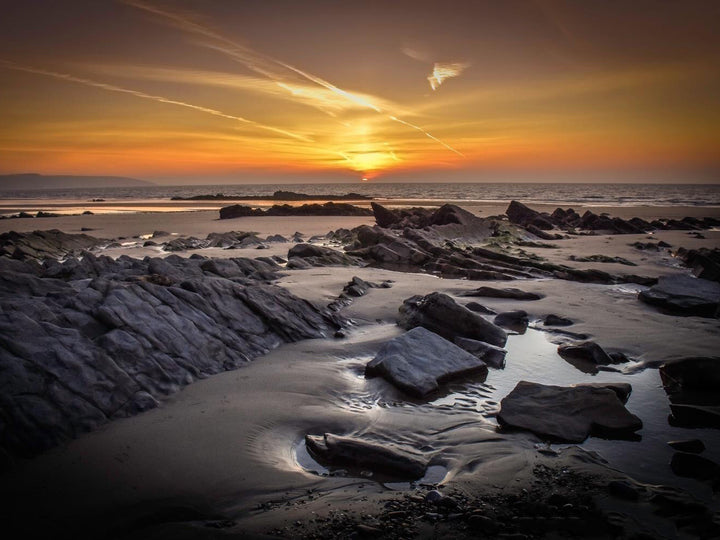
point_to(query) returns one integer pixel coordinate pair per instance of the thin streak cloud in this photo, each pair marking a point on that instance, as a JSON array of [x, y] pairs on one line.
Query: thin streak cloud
[[143, 95], [266, 65]]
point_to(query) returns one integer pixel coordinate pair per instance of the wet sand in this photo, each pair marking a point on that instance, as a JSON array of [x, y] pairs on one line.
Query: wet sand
[[225, 449]]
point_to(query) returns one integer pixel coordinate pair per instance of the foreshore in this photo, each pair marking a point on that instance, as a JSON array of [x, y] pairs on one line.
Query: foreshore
[[225, 456]]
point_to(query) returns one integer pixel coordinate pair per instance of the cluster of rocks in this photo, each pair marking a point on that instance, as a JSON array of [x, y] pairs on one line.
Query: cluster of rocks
[[45, 244], [279, 195], [327, 209], [432, 250], [42, 214], [84, 341], [355, 288], [569, 220], [302, 256]]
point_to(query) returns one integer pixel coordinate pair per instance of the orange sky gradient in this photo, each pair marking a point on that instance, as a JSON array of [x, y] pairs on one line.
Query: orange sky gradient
[[253, 91]]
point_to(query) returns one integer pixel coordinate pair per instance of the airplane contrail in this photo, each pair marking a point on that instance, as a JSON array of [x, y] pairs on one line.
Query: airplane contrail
[[153, 97], [258, 63]]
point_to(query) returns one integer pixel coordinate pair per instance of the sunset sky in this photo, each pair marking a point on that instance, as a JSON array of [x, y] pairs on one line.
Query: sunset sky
[[269, 90]]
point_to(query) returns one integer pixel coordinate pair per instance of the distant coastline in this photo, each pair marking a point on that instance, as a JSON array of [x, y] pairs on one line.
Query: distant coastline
[[34, 181]]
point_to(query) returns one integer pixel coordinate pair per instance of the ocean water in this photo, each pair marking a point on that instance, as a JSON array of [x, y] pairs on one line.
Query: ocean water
[[561, 194]]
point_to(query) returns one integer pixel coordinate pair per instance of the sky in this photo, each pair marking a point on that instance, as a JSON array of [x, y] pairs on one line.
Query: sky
[[338, 90]]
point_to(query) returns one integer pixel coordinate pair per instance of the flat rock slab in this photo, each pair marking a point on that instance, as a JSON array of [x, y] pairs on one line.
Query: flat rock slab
[[569, 414], [684, 295], [490, 354], [419, 360], [362, 453]]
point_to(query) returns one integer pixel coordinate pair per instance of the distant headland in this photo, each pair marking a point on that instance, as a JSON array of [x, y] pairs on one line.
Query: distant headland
[[32, 181]]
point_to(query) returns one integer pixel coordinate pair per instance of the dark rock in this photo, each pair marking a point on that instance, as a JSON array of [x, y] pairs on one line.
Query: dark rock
[[566, 413], [693, 386], [320, 255], [588, 351], [121, 334], [684, 295], [375, 456], [490, 354], [433, 496], [479, 308], [327, 209], [513, 294], [705, 263], [555, 320], [512, 319], [692, 446], [622, 390], [419, 360], [439, 313], [384, 217], [694, 466], [239, 210], [43, 244]]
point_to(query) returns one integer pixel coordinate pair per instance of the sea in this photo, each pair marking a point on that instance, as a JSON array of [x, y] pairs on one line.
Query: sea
[[561, 194]]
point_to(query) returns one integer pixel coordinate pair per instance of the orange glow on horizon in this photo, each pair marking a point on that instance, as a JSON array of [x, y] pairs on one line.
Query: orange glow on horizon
[[204, 96]]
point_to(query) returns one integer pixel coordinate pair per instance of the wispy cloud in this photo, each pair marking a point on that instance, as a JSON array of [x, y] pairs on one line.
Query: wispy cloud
[[275, 70], [153, 97], [444, 71]]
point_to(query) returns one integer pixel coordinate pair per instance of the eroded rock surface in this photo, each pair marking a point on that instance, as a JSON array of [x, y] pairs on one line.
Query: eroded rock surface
[[366, 454], [419, 360], [89, 340], [684, 295], [439, 313], [570, 413]]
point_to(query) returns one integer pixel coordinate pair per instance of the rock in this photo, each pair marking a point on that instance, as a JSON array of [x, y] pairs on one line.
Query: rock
[[419, 360], [384, 217], [513, 294], [622, 390], [694, 466], [493, 356], [587, 351], [693, 386], [568, 414], [439, 313], [517, 319], [692, 446], [239, 210], [43, 244], [115, 336], [433, 496], [684, 295], [375, 456], [479, 308], [320, 256], [555, 320], [705, 263], [327, 209]]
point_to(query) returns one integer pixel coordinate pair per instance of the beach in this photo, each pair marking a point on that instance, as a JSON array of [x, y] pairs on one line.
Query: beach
[[225, 456]]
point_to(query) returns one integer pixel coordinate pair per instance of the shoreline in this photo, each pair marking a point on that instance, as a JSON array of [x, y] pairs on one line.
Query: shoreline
[[223, 449]]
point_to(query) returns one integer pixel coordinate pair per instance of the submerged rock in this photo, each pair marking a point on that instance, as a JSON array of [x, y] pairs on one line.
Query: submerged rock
[[684, 295], [441, 314], [419, 360], [568, 414], [588, 351], [361, 453]]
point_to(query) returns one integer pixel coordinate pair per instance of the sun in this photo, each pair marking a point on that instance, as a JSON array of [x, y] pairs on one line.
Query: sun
[[364, 179]]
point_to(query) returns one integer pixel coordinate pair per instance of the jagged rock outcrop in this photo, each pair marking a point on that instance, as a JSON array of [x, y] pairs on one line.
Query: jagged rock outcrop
[[327, 209], [83, 342], [705, 263], [305, 255], [42, 244], [439, 313]]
